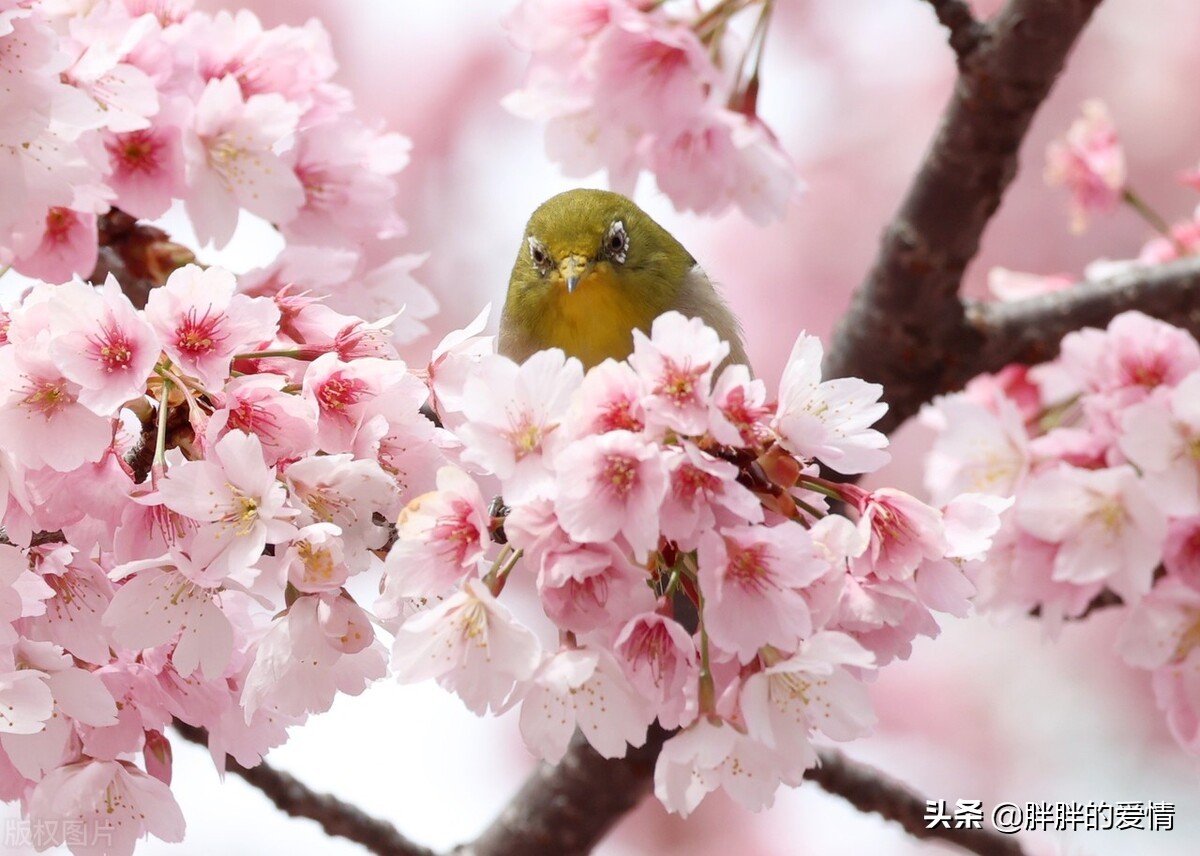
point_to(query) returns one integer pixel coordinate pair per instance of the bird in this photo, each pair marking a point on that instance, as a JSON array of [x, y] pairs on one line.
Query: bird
[[593, 267]]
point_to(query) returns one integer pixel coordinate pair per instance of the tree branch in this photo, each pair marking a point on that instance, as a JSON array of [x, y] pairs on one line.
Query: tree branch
[[565, 809], [905, 325], [965, 31], [869, 790], [141, 257], [294, 798], [1030, 331]]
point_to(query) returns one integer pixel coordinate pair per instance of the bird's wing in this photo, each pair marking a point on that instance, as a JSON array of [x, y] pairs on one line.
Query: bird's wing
[[698, 298]]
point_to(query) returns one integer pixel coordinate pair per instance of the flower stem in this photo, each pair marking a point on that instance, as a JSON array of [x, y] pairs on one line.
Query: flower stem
[[159, 465], [1131, 198]]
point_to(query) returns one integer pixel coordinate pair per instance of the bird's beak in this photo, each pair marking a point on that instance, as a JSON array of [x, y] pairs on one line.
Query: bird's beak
[[573, 270]]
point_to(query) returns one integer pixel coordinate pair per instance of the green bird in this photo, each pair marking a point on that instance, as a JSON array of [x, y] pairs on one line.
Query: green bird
[[592, 268]]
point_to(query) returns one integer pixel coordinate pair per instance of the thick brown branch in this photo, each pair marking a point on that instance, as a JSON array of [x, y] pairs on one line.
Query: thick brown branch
[[965, 31], [565, 809], [336, 817], [1030, 331], [905, 327], [867, 789]]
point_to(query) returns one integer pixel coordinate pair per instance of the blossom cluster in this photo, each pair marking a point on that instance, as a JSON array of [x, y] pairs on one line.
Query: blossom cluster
[[186, 490], [627, 86], [671, 523], [1099, 449], [1090, 163], [142, 104]]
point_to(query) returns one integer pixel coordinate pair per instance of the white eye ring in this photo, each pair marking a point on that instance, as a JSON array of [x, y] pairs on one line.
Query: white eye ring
[[616, 242], [537, 252]]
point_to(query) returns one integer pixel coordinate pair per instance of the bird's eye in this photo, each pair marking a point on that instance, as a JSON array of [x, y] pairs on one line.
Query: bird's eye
[[541, 258], [616, 242]]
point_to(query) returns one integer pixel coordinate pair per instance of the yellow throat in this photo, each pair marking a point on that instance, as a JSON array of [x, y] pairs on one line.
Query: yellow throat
[[595, 320]]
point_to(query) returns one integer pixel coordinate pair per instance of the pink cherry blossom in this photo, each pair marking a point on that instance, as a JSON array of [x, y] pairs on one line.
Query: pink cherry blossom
[[322, 645], [703, 491], [102, 343], [78, 693], [472, 645], [708, 755], [238, 501], [676, 364], [1090, 163], [315, 561], [752, 578], [1105, 523], [73, 617], [901, 532], [1181, 551], [723, 158], [285, 424], [64, 247], [202, 323], [345, 170], [1160, 436], [661, 662], [111, 802], [233, 162], [123, 95], [25, 702], [609, 399], [42, 420], [609, 484], [828, 420], [349, 493], [441, 536], [1134, 355], [977, 448], [584, 687], [739, 413], [591, 586], [342, 392], [147, 168], [513, 414], [158, 604], [810, 692]]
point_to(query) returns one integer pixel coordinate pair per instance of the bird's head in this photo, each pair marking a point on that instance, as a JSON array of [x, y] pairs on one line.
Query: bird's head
[[593, 239]]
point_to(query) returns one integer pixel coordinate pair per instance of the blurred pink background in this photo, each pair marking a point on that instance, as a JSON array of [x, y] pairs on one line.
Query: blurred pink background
[[854, 90]]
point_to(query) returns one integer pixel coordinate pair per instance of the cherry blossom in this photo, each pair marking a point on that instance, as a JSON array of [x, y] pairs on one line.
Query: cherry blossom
[[202, 323], [513, 415], [627, 87], [111, 802], [237, 500], [1090, 163], [472, 645], [676, 364], [828, 420], [757, 571], [709, 755], [609, 484], [442, 536], [584, 687], [233, 162], [812, 691]]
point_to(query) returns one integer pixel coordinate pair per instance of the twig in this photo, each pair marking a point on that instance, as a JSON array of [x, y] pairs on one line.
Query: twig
[[965, 31], [336, 817], [867, 789], [1030, 331], [904, 326]]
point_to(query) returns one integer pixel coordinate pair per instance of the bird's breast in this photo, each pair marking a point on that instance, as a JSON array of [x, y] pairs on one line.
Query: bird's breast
[[595, 322]]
